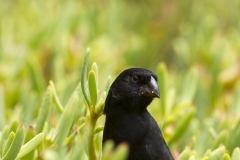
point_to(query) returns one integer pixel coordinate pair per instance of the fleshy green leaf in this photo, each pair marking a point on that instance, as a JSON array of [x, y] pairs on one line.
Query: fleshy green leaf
[[16, 144], [236, 154], [83, 76], [226, 157], [65, 123], [44, 110], [31, 145], [55, 98], [30, 134], [162, 82], [95, 69], [4, 137], [218, 153], [185, 154], [221, 139], [182, 125], [92, 84], [98, 129], [14, 126], [8, 143]]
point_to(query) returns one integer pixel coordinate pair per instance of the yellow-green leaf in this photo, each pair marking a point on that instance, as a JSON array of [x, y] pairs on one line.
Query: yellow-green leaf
[[92, 84], [8, 143], [236, 154], [31, 145], [44, 110], [16, 144]]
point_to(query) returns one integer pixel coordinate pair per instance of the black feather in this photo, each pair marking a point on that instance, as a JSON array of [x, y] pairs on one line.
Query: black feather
[[127, 118]]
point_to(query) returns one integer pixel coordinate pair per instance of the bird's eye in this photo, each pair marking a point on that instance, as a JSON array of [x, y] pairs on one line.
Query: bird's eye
[[134, 78]]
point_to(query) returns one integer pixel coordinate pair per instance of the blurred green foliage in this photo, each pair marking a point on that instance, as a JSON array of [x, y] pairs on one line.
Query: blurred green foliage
[[196, 42]]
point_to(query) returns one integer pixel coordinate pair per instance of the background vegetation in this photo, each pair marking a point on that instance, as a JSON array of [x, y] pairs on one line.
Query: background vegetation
[[193, 46]]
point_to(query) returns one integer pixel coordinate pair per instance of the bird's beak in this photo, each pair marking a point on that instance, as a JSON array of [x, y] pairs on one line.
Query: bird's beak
[[151, 89]]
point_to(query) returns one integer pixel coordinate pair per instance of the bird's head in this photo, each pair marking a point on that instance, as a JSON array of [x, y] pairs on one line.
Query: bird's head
[[133, 90]]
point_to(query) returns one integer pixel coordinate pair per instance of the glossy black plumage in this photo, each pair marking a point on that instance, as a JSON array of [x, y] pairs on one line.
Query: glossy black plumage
[[127, 118]]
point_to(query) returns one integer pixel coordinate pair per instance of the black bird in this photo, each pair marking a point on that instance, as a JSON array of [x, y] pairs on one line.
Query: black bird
[[127, 117]]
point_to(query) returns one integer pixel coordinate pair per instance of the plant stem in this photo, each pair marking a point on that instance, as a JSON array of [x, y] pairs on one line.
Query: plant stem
[[91, 150]]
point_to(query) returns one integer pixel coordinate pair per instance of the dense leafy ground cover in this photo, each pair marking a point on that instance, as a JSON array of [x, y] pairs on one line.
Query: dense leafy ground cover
[[51, 97]]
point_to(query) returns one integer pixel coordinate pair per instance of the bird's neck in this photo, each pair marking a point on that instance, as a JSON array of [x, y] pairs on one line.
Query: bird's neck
[[121, 111], [128, 106]]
